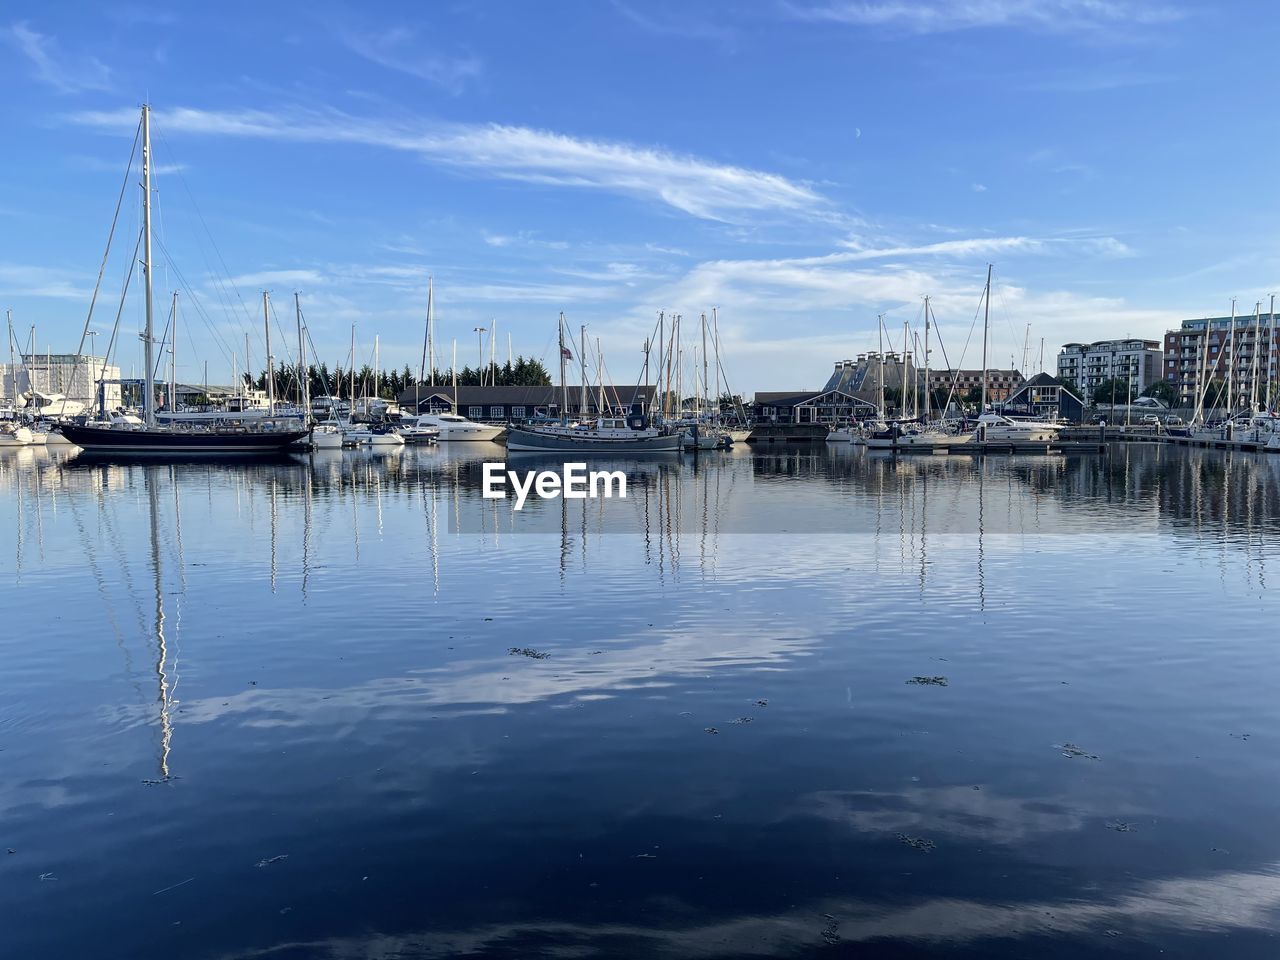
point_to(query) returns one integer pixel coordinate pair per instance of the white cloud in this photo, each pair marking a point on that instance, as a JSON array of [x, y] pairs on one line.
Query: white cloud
[[942, 16], [394, 49], [978, 187], [67, 75], [691, 184], [24, 280]]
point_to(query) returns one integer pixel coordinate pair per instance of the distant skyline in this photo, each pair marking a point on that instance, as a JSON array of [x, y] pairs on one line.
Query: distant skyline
[[803, 165]]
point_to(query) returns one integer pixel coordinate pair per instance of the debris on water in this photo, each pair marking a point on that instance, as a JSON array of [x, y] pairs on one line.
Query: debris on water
[[929, 681], [916, 843], [173, 887], [165, 779], [830, 930], [253, 683], [1120, 826], [686, 713], [710, 729], [270, 860], [487, 619], [645, 856], [1071, 750], [1112, 933], [529, 652], [762, 703], [284, 910], [1241, 736], [741, 720], [1218, 850], [47, 876], [595, 653], [11, 850]]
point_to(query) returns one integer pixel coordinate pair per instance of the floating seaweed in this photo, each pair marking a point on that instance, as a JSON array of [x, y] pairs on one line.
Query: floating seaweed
[[1071, 750], [929, 681], [741, 720], [529, 652], [710, 729], [916, 843], [1119, 826], [830, 931]]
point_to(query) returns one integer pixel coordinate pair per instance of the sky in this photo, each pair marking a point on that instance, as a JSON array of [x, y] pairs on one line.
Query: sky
[[801, 166]]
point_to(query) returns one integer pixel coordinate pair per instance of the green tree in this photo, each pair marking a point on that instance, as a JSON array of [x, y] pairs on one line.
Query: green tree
[[1112, 391], [1164, 391]]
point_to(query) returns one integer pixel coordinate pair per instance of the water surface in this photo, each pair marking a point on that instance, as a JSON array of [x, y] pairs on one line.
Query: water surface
[[269, 709]]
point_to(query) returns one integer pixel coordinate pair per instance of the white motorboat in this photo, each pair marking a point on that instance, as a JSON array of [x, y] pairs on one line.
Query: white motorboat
[[14, 435], [369, 435], [453, 427], [997, 427], [412, 433], [326, 436]]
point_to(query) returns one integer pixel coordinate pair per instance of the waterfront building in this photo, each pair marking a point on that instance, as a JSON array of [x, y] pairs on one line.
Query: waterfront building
[[1043, 397], [1184, 354], [827, 407], [1140, 362], [513, 404], [75, 377], [862, 377], [1001, 384]]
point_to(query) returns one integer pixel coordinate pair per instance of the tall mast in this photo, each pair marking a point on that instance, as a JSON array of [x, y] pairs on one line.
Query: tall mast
[[271, 379], [880, 361], [564, 389], [428, 348], [248, 366], [1271, 335], [173, 358], [1257, 345], [582, 362], [1202, 375], [1231, 361], [986, 321], [926, 358], [902, 380], [662, 346], [377, 361], [706, 392], [455, 375], [148, 346], [353, 372], [304, 381]]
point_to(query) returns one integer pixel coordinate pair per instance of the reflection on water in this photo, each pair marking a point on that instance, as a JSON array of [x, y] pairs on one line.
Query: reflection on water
[[269, 708]]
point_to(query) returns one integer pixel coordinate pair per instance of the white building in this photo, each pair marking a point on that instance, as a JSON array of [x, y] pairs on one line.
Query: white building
[[65, 373], [1087, 365]]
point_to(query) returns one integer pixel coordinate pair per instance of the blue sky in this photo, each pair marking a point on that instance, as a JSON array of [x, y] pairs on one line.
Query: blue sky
[[803, 165]]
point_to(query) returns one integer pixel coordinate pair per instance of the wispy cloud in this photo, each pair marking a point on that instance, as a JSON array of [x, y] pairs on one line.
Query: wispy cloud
[[944, 16], [65, 74], [978, 187], [679, 25], [687, 183], [24, 280], [399, 49]]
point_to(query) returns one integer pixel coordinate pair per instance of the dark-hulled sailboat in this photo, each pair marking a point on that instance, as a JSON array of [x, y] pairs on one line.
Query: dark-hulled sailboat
[[152, 438]]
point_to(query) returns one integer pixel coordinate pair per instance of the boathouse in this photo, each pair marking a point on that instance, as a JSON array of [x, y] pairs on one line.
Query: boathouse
[[828, 407], [516, 404], [1043, 396]]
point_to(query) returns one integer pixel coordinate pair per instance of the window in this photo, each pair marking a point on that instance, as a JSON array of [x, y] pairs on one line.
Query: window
[[475, 413], [517, 413], [495, 413]]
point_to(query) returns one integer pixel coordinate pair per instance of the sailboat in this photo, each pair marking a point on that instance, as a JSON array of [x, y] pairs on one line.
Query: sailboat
[[151, 438], [601, 435]]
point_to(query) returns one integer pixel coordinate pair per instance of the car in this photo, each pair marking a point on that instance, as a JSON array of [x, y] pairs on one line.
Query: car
[[1150, 418], [1173, 421]]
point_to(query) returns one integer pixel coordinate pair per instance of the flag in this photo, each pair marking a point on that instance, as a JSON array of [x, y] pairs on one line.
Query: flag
[[565, 352]]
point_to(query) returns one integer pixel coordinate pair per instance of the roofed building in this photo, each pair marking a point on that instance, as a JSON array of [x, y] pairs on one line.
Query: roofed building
[[513, 404], [829, 407]]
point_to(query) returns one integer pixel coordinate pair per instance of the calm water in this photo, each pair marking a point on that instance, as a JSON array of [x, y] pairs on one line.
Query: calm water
[[269, 709]]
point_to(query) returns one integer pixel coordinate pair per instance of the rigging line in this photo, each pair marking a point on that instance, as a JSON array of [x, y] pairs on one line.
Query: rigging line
[[183, 180], [220, 342], [115, 218], [115, 329]]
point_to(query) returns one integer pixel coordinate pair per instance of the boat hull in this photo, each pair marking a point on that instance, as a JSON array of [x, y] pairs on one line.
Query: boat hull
[[113, 440], [529, 440]]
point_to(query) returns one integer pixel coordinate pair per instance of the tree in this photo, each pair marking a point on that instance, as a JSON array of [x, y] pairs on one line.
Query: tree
[[974, 396], [1115, 390], [1164, 391]]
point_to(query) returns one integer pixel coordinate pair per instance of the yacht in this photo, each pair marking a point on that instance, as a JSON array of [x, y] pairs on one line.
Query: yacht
[[998, 427], [371, 435], [13, 434], [453, 427], [606, 434]]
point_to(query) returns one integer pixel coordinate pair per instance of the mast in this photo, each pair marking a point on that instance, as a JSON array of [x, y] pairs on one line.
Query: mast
[[705, 389], [455, 375], [564, 390], [880, 361], [431, 322], [1202, 376], [377, 359], [352, 411], [148, 346], [986, 321], [271, 380], [902, 380], [248, 368], [1271, 335], [662, 346], [173, 359], [582, 362], [1257, 345], [304, 381], [1231, 361], [926, 358]]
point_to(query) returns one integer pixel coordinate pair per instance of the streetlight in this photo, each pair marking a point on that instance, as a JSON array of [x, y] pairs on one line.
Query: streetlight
[[479, 332]]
